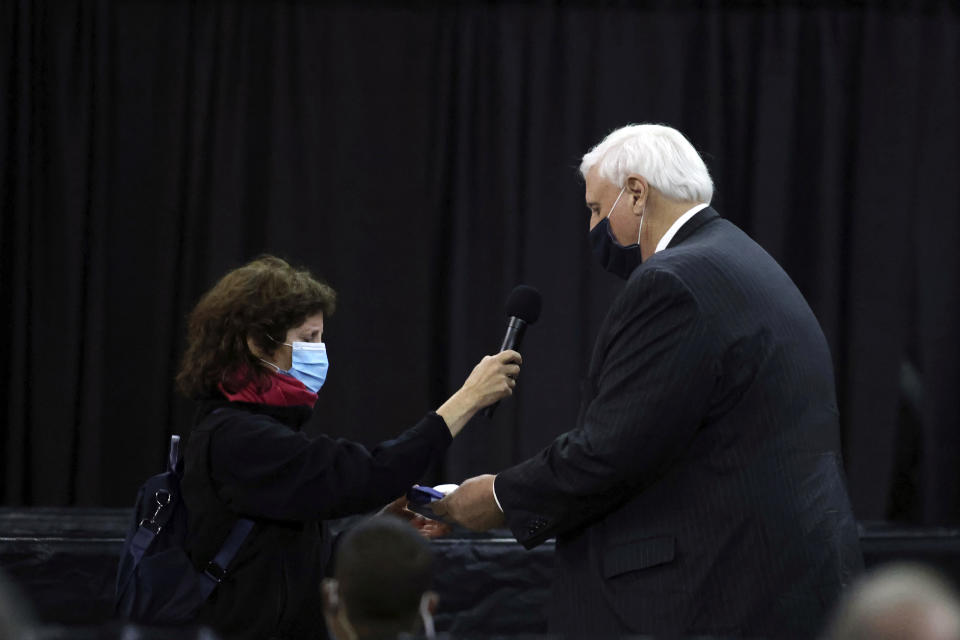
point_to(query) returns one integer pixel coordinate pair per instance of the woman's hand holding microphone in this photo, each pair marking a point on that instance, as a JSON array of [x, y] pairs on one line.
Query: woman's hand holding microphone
[[492, 380]]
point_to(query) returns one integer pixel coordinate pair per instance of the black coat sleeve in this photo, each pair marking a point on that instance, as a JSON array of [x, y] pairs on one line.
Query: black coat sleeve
[[651, 394], [261, 468]]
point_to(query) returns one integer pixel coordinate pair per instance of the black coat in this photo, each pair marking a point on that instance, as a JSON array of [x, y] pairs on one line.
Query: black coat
[[260, 466], [701, 491]]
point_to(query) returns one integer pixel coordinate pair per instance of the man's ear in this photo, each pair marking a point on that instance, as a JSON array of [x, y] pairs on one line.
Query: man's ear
[[433, 599], [639, 190], [331, 595]]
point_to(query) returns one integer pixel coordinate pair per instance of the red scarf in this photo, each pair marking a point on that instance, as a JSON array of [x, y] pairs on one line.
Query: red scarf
[[278, 390]]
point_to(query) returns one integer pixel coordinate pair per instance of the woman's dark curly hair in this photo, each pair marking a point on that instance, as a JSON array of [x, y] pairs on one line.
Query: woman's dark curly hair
[[263, 298]]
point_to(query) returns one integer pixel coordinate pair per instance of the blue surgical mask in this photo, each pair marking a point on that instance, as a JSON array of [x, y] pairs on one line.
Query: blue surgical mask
[[309, 364], [614, 257]]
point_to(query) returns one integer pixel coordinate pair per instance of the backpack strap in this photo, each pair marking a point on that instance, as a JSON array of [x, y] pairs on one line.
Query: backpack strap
[[173, 456], [216, 569], [138, 546]]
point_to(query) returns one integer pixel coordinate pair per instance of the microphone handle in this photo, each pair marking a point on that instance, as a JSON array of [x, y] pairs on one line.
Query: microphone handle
[[515, 330]]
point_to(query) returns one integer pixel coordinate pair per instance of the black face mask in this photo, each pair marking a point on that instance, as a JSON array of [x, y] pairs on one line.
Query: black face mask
[[613, 256]]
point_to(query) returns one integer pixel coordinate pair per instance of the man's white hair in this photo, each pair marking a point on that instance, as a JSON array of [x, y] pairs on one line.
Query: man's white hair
[[899, 601], [659, 153]]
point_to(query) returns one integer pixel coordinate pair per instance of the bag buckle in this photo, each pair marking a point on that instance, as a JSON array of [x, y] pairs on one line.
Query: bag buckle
[[163, 499], [215, 572]]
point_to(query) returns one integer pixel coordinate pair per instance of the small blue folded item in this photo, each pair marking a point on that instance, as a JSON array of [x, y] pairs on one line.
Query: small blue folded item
[[419, 499]]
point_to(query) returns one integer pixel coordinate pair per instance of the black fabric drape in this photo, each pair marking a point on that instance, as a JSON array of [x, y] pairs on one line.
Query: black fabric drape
[[423, 159]]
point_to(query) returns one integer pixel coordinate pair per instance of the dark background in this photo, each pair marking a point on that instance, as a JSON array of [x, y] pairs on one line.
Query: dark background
[[422, 159]]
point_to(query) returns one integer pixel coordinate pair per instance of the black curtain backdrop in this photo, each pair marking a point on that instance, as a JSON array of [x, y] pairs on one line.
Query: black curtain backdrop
[[423, 159]]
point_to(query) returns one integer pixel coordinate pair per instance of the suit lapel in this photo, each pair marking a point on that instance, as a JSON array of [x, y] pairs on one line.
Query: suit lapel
[[701, 218]]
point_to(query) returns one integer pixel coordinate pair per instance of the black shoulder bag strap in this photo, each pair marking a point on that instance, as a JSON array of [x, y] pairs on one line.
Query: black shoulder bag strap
[[216, 569]]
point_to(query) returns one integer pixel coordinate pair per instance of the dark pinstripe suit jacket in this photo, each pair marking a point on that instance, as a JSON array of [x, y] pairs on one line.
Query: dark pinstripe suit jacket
[[701, 490]]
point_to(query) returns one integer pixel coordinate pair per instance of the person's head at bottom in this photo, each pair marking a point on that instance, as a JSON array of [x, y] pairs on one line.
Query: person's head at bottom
[[16, 616], [383, 571], [900, 601]]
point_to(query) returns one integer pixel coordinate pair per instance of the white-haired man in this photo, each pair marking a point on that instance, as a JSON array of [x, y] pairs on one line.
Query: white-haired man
[[701, 489]]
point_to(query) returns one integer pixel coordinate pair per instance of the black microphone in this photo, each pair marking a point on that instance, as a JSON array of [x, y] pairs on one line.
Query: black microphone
[[523, 308]]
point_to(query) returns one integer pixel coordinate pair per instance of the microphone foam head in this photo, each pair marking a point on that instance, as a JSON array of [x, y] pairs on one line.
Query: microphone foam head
[[524, 303]]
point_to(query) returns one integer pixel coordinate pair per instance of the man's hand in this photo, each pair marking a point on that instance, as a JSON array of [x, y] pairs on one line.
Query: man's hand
[[428, 528], [472, 505]]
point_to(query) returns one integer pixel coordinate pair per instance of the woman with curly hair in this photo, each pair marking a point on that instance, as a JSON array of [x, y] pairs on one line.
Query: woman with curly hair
[[254, 362]]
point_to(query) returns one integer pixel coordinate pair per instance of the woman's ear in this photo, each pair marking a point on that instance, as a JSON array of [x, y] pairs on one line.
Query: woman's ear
[[252, 346]]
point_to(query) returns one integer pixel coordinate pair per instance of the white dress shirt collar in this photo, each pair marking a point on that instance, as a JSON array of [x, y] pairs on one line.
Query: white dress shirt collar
[[682, 220]]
